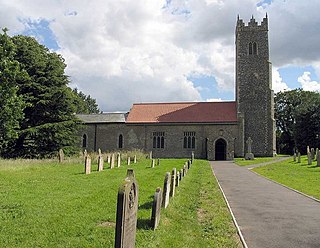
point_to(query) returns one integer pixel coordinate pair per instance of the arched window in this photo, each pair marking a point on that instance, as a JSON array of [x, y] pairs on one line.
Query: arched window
[[193, 142], [250, 48], [120, 141], [189, 142], [162, 142], [84, 141], [154, 142], [158, 142], [185, 142], [254, 48]]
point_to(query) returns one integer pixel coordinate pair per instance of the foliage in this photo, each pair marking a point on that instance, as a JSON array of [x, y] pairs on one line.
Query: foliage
[[47, 204], [12, 105], [297, 119], [300, 176], [85, 104]]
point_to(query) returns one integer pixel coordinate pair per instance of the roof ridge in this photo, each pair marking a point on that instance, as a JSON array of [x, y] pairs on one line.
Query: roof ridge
[[167, 103]]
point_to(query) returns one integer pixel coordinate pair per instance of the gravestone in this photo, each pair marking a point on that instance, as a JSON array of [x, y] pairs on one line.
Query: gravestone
[[85, 153], [150, 155], [127, 208], [299, 157], [192, 157], [185, 168], [318, 159], [158, 161], [312, 153], [135, 159], [87, 165], [249, 155], [173, 182], [61, 155], [317, 152], [309, 158], [129, 160], [166, 190], [152, 163], [108, 159], [181, 174], [118, 160], [189, 164], [156, 208], [178, 179], [100, 163], [308, 149], [294, 157], [99, 152], [112, 161]]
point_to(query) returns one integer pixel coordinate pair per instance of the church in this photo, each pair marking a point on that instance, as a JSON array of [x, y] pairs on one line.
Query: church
[[212, 130]]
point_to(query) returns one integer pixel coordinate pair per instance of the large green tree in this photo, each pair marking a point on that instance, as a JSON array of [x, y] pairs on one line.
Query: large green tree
[[49, 123], [85, 104], [11, 105], [298, 120]]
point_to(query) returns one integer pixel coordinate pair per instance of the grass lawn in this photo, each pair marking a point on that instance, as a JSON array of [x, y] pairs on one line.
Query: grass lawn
[[299, 176], [243, 162], [46, 204]]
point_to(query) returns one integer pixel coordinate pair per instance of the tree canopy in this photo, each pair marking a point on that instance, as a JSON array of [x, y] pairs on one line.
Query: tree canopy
[[85, 104], [298, 120]]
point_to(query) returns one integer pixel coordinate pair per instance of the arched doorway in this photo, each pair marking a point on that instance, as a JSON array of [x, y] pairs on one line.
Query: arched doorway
[[221, 149]]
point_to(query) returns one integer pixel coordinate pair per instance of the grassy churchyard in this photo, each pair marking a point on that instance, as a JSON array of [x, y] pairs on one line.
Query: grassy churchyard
[[300, 176], [49, 204]]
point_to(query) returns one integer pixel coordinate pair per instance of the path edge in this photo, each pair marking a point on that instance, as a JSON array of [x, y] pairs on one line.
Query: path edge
[[230, 210]]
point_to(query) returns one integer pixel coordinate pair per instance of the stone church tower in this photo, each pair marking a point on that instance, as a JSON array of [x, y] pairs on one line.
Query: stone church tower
[[254, 96]]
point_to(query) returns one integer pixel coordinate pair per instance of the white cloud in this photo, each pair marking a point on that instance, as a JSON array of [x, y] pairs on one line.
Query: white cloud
[[277, 83], [307, 83]]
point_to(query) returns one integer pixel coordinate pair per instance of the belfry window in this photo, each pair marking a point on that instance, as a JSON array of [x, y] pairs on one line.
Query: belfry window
[[84, 141], [120, 141], [158, 140], [253, 49], [189, 140]]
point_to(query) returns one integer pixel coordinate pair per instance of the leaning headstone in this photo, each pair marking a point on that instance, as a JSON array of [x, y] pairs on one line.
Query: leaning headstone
[[312, 152], [299, 157], [156, 208], [100, 163], [294, 157], [178, 179], [112, 161], [173, 182], [61, 156], [118, 160], [249, 155], [129, 160], [127, 208], [150, 155], [87, 165], [135, 159], [318, 159], [166, 190], [158, 161], [152, 163], [309, 158]]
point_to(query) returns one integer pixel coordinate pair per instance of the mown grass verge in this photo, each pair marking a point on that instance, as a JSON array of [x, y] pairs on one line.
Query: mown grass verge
[[46, 204], [300, 176], [258, 160]]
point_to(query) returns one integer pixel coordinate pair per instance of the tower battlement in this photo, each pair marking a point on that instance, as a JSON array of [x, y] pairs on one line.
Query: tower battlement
[[252, 24]]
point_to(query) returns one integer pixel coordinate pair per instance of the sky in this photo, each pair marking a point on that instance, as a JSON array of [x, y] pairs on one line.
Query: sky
[[122, 52]]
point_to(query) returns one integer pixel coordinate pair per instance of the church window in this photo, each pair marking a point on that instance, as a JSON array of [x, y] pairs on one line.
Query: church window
[[120, 141], [189, 140], [158, 140], [84, 141], [253, 49]]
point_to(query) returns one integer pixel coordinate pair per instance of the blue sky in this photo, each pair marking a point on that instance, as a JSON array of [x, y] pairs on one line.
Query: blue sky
[[121, 52]]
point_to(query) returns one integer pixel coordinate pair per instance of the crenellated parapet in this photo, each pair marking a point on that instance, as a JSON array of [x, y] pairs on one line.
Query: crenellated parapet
[[252, 24]]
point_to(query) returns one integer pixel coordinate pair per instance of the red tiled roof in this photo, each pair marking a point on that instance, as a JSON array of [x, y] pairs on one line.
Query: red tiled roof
[[188, 112]]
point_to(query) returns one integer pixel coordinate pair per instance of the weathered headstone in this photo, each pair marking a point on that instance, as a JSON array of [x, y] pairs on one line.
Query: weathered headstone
[[156, 208], [85, 153], [87, 165], [249, 155], [308, 149], [127, 208], [99, 152], [152, 163], [317, 152], [294, 157], [192, 157], [185, 169], [129, 160], [178, 179], [118, 160], [158, 161], [100, 163], [309, 158], [150, 155], [112, 160], [166, 190], [312, 152], [189, 164], [181, 174], [299, 157], [318, 159], [135, 159], [61, 156], [173, 182]]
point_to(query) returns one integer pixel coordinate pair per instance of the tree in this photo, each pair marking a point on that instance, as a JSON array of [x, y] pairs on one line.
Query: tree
[[12, 105], [297, 119], [85, 104], [49, 122]]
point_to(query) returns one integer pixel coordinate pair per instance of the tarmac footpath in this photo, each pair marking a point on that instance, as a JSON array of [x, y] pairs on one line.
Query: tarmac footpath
[[268, 214]]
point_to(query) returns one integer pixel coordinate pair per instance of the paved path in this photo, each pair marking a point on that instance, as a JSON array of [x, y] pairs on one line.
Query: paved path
[[269, 215]]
